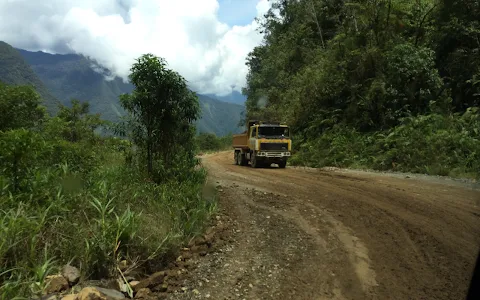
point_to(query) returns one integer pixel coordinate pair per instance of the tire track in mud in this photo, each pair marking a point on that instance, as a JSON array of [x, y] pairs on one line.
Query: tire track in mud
[[429, 230], [357, 253], [342, 235]]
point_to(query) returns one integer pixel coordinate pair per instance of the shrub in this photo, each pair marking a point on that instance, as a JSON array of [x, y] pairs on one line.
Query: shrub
[[210, 142], [434, 144], [110, 215]]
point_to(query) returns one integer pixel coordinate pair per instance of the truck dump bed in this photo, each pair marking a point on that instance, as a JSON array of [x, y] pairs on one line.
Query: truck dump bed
[[240, 141]]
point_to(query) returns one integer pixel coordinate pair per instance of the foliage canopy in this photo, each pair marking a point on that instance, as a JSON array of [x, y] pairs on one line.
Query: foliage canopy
[[162, 111], [329, 67]]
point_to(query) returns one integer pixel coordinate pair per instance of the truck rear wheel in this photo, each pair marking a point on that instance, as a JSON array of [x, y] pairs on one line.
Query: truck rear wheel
[[235, 157], [242, 159]]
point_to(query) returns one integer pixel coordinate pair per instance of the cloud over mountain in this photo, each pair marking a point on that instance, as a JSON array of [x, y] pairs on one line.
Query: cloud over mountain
[[187, 33]]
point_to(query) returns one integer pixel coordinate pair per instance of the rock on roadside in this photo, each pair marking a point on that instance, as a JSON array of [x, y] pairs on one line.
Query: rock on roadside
[[71, 273], [111, 294], [134, 283], [56, 283], [96, 293], [152, 281], [144, 294], [90, 293]]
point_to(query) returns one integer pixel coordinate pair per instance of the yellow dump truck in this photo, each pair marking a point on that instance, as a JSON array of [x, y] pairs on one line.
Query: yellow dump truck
[[262, 144]]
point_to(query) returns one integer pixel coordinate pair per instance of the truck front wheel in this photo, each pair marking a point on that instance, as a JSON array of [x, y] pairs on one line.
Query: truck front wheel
[[253, 161], [282, 164]]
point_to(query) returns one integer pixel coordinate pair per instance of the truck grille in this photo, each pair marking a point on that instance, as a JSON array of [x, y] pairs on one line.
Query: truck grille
[[274, 146]]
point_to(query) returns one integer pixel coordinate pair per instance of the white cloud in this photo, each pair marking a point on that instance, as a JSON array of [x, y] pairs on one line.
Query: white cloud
[[209, 54]]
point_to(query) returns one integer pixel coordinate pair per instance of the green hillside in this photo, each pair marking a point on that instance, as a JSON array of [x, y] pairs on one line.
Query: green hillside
[[14, 70], [233, 97], [72, 76], [219, 117]]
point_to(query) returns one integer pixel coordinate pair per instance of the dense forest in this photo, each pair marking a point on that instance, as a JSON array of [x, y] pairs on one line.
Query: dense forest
[[69, 195], [383, 84]]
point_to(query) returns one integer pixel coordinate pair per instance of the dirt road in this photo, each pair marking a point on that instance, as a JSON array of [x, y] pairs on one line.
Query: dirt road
[[311, 234]]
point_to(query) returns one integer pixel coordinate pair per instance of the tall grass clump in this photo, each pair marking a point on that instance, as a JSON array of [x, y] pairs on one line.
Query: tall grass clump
[[112, 215]]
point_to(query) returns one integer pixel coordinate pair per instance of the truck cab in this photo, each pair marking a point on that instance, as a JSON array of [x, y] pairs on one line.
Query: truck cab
[[262, 144]]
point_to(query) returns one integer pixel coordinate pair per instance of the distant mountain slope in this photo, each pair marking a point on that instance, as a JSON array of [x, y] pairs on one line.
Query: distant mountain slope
[[233, 97], [219, 117], [73, 76], [14, 70]]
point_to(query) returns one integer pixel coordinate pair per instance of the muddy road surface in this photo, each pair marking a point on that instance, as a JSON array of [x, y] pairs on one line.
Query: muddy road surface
[[311, 234]]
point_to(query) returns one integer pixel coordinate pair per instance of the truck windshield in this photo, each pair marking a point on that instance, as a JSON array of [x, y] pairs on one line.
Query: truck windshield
[[273, 132]]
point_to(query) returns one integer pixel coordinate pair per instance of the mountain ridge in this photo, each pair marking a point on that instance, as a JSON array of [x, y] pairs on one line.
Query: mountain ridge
[[68, 76], [234, 97], [15, 70]]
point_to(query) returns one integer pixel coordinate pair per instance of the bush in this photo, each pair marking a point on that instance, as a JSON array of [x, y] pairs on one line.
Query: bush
[[206, 142], [433, 144], [70, 196], [110, 215]]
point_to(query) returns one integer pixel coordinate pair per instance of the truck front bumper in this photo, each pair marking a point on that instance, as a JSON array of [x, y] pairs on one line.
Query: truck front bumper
[[268, 154]]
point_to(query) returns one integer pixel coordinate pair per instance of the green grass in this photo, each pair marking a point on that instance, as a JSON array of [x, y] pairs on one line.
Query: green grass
[[94, 216]]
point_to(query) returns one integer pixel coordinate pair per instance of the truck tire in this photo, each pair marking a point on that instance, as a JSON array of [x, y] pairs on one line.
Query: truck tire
[[282, 164], [253, 161], [235, 157], [243, 159]]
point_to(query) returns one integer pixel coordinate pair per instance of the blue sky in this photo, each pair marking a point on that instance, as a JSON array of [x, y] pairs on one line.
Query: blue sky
[[237, 12]]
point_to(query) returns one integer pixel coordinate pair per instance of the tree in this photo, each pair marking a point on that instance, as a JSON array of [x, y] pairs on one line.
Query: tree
[[162, 111], [80, 124], [457, 45], [19, 155], [380, 61], [20, 107], [208, 141]]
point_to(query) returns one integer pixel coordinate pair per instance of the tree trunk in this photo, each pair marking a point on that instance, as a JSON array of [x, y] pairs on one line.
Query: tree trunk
[[420, 26], [388, 14], [314, 12], [149, 153]]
